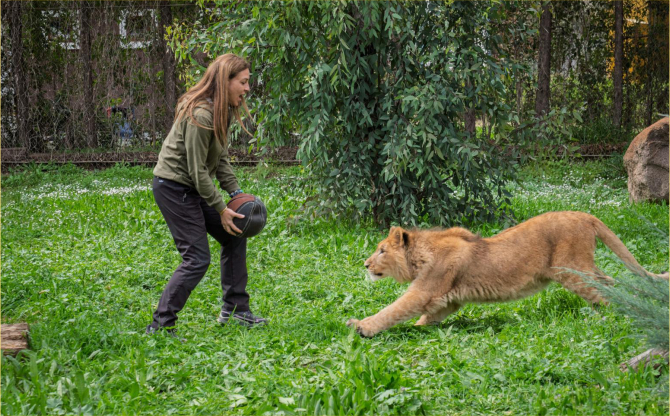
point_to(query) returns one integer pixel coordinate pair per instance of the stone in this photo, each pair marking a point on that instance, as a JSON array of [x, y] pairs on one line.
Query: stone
[[646, 162]]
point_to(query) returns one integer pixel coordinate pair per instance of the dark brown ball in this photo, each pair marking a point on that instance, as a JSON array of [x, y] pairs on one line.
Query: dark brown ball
[[254, 211]]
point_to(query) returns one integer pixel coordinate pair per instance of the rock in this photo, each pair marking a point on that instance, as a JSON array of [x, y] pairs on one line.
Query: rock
[[646, 162]]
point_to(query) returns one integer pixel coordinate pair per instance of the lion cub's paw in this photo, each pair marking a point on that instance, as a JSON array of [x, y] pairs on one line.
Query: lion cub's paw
[[422, 321], [361, 327]]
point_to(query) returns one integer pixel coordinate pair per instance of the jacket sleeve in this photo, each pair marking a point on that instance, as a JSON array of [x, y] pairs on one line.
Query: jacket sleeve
[[225, 175], [196, 142]]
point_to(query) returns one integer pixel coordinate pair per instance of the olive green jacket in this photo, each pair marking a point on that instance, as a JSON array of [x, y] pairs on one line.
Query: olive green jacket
[[192, 156]]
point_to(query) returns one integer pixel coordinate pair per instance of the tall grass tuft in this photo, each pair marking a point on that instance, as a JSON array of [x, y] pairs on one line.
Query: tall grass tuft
[[645, 299], [642, 297]]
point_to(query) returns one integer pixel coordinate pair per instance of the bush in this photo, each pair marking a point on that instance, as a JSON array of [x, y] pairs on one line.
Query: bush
[[601, 131], [379, 95]]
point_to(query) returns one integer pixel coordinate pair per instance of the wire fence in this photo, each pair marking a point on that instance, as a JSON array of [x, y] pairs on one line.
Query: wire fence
[[88, 75], [100, 75]]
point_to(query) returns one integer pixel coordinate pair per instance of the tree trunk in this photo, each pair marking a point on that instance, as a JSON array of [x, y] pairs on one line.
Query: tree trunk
[[519, 96], [544, 62], [20, 76], [470, 119], [519, 76], [169, 65], [14, 338], [85, 49], [618, 63], [650, 61]]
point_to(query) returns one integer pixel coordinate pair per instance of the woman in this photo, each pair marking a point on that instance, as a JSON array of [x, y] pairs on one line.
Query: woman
[[196, 150]]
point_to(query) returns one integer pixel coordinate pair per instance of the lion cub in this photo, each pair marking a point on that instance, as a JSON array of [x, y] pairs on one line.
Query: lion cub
[[451, 267]]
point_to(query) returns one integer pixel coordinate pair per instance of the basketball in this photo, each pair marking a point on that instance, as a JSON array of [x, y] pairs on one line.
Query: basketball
[[255, 214]]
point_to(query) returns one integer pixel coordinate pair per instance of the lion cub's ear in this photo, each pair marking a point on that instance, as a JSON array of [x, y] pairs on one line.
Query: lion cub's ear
[[398, 236]]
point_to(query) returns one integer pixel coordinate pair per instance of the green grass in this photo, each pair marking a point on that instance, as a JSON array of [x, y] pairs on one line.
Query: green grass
[[85, 256]]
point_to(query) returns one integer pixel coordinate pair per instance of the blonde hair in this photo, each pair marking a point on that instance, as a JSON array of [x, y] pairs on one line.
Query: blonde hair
[[214, 86]]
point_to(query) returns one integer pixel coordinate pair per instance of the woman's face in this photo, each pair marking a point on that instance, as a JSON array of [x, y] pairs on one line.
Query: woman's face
[[238, 87]]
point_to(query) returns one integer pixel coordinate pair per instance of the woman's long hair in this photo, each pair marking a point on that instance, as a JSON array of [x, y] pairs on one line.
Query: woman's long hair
[[214, 86]]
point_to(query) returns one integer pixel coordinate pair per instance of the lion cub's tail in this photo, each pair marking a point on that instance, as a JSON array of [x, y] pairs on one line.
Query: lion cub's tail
[[614, 243]]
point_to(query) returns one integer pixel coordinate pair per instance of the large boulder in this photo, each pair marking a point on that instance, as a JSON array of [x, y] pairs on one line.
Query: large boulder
[[646, 162]]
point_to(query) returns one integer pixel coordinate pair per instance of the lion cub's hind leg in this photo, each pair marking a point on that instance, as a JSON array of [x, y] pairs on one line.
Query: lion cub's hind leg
[[438, 316], [573, 260], [576, 283]]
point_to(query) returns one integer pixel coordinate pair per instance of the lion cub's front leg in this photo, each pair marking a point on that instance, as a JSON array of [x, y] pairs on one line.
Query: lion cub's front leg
[[438, 316], [409, 305]]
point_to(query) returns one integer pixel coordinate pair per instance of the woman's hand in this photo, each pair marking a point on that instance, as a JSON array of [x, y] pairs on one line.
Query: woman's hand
[[227, 216]]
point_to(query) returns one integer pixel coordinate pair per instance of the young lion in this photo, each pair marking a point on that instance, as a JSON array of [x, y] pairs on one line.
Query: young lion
[[449, 268]]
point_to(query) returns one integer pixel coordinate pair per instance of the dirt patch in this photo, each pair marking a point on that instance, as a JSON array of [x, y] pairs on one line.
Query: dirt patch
[[602, 149]]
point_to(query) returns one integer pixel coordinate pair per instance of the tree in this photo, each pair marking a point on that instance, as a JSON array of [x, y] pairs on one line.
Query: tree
[[656, 48], [521, 47], [618, 63], [542, 98], [377, 91]]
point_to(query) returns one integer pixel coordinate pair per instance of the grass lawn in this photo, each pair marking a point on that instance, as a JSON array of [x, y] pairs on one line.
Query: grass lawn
[[85, 256]]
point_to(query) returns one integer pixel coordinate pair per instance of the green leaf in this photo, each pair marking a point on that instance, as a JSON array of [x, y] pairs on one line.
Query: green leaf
[[286, 400]]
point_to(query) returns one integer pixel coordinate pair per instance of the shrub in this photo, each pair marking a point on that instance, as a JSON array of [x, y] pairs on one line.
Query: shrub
[[379, 93]]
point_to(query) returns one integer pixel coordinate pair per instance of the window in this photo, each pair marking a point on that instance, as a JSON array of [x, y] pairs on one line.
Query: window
[[136, 28], [62, 26]]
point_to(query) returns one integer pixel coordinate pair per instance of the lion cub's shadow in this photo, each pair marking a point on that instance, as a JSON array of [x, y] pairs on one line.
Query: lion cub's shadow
[[495, 322], [460, 323]]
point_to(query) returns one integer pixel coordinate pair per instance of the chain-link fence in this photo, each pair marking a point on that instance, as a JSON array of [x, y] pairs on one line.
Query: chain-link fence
[[87, 75], [79, 75]]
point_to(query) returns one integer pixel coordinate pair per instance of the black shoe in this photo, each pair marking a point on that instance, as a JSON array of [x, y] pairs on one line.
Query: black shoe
[[244, 318], [171, 332]]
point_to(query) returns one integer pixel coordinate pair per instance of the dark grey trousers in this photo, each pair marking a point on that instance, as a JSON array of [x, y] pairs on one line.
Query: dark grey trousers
[[190, 219]]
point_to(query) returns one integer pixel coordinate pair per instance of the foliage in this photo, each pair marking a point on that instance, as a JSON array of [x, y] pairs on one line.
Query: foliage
[[645, 299], [581, 46], [603, 131], [379, 98], [583, 61], [284, 32], [85, 256]]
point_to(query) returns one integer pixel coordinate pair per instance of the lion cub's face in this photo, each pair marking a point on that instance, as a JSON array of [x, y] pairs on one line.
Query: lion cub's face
[[389, 259]]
